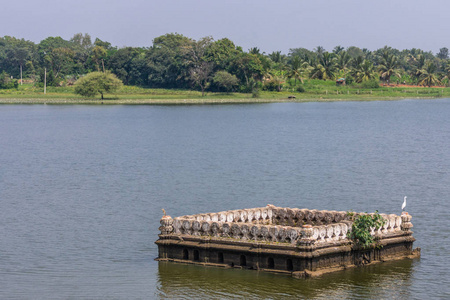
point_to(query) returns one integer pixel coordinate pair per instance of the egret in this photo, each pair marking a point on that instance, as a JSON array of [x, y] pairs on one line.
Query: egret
[[404, 203]]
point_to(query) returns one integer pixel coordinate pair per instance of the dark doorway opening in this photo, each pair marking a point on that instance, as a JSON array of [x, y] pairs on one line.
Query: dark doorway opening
[[196, 255], [243, 261], [289, 265], [270, 263]]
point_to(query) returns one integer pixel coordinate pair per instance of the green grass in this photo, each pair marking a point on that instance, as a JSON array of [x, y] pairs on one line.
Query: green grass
[[316, 90]]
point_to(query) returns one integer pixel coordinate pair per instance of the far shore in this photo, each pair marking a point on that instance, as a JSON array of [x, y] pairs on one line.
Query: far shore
[[317, 91], [205, 100]]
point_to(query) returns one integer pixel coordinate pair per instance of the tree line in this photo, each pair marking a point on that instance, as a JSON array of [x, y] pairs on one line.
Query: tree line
[[175, 61]]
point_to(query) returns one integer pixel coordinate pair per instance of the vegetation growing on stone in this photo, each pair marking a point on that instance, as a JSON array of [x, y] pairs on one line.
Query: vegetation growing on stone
[[361, 228]]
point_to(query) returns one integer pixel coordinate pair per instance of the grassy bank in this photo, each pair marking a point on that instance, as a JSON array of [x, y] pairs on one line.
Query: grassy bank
[[314, 91]]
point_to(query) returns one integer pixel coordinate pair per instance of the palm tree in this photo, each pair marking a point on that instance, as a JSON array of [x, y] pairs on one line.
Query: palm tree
[[276, 56], [338, 49], [254, 50], [296, 69], [418, 66], [446, 72], [325, 67], [276, 76], [364, 71], [388, 66], [343, 62], [428, 76], [320, 51]]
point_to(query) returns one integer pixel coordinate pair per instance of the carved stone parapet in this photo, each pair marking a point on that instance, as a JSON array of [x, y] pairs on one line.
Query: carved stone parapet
[[255, 232], [406, 222], [306, 235], [166, 225], [273, 233], [264, 231], [196, 226], [215, 229], [293, 226], [293, 235]]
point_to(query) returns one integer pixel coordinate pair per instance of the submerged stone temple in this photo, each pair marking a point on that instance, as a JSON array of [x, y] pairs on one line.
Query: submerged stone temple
[[300, 242]]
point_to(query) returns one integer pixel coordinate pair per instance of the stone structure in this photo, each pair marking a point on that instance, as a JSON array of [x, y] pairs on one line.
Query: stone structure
[[300, 242]]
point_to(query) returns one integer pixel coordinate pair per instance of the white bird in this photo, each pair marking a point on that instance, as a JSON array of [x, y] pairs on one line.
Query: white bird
[[404, 204]]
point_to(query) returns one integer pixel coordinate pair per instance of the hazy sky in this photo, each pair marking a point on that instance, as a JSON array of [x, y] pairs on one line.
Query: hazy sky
[[268, 25]]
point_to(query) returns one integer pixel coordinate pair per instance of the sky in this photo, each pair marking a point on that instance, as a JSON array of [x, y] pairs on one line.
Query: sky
[[269, 25]]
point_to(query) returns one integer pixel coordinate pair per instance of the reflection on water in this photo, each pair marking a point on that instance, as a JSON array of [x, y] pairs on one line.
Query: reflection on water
[[371, 282]]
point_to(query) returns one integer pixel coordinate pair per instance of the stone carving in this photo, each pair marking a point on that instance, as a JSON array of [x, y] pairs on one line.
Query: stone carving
[[406, 223], [278, 225], [196, 226]]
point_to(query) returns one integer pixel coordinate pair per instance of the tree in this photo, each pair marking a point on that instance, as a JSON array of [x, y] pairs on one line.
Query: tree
[[222, 53], [129, 65], [338, 49], [446, 74], [201, 74], [388, 66], [254, 50], [325, 67], [428, 76], [343, 62], [165, 62], [99, 54], [354, 51], [97, 83], [296, 69], [196, 60], [443, 53], [363, 71], [248, 67], [320, 50]]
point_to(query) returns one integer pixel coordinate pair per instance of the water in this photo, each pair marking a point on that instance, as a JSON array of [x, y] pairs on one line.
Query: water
[[82, 187]]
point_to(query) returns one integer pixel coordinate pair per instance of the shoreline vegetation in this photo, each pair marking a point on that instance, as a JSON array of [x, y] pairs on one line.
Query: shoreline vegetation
[[180, 70], [29, 94]]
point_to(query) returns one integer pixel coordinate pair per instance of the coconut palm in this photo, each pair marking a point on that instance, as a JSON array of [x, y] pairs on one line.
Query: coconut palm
[[388, 66], [418, 67], [446, 73], [297, 69], [338, 49], [364, 71], [325, 67], [320, 51], [343, 61], [428, 76]]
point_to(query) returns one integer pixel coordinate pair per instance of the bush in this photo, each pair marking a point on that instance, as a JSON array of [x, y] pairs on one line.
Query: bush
[[300, 89], [255, 92], [370, 84], [6, 82], [273, 86], [225, 81], [360, 233]]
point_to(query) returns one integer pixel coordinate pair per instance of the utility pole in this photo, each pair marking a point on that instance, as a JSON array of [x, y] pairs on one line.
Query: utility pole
[[45, 81], [21, 80]]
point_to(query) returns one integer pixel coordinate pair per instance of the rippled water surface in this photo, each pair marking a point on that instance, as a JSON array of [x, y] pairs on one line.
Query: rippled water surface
[[82, 187]]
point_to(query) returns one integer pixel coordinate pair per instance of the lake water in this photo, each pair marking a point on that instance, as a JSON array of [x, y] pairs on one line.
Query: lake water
[[82, 188]]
